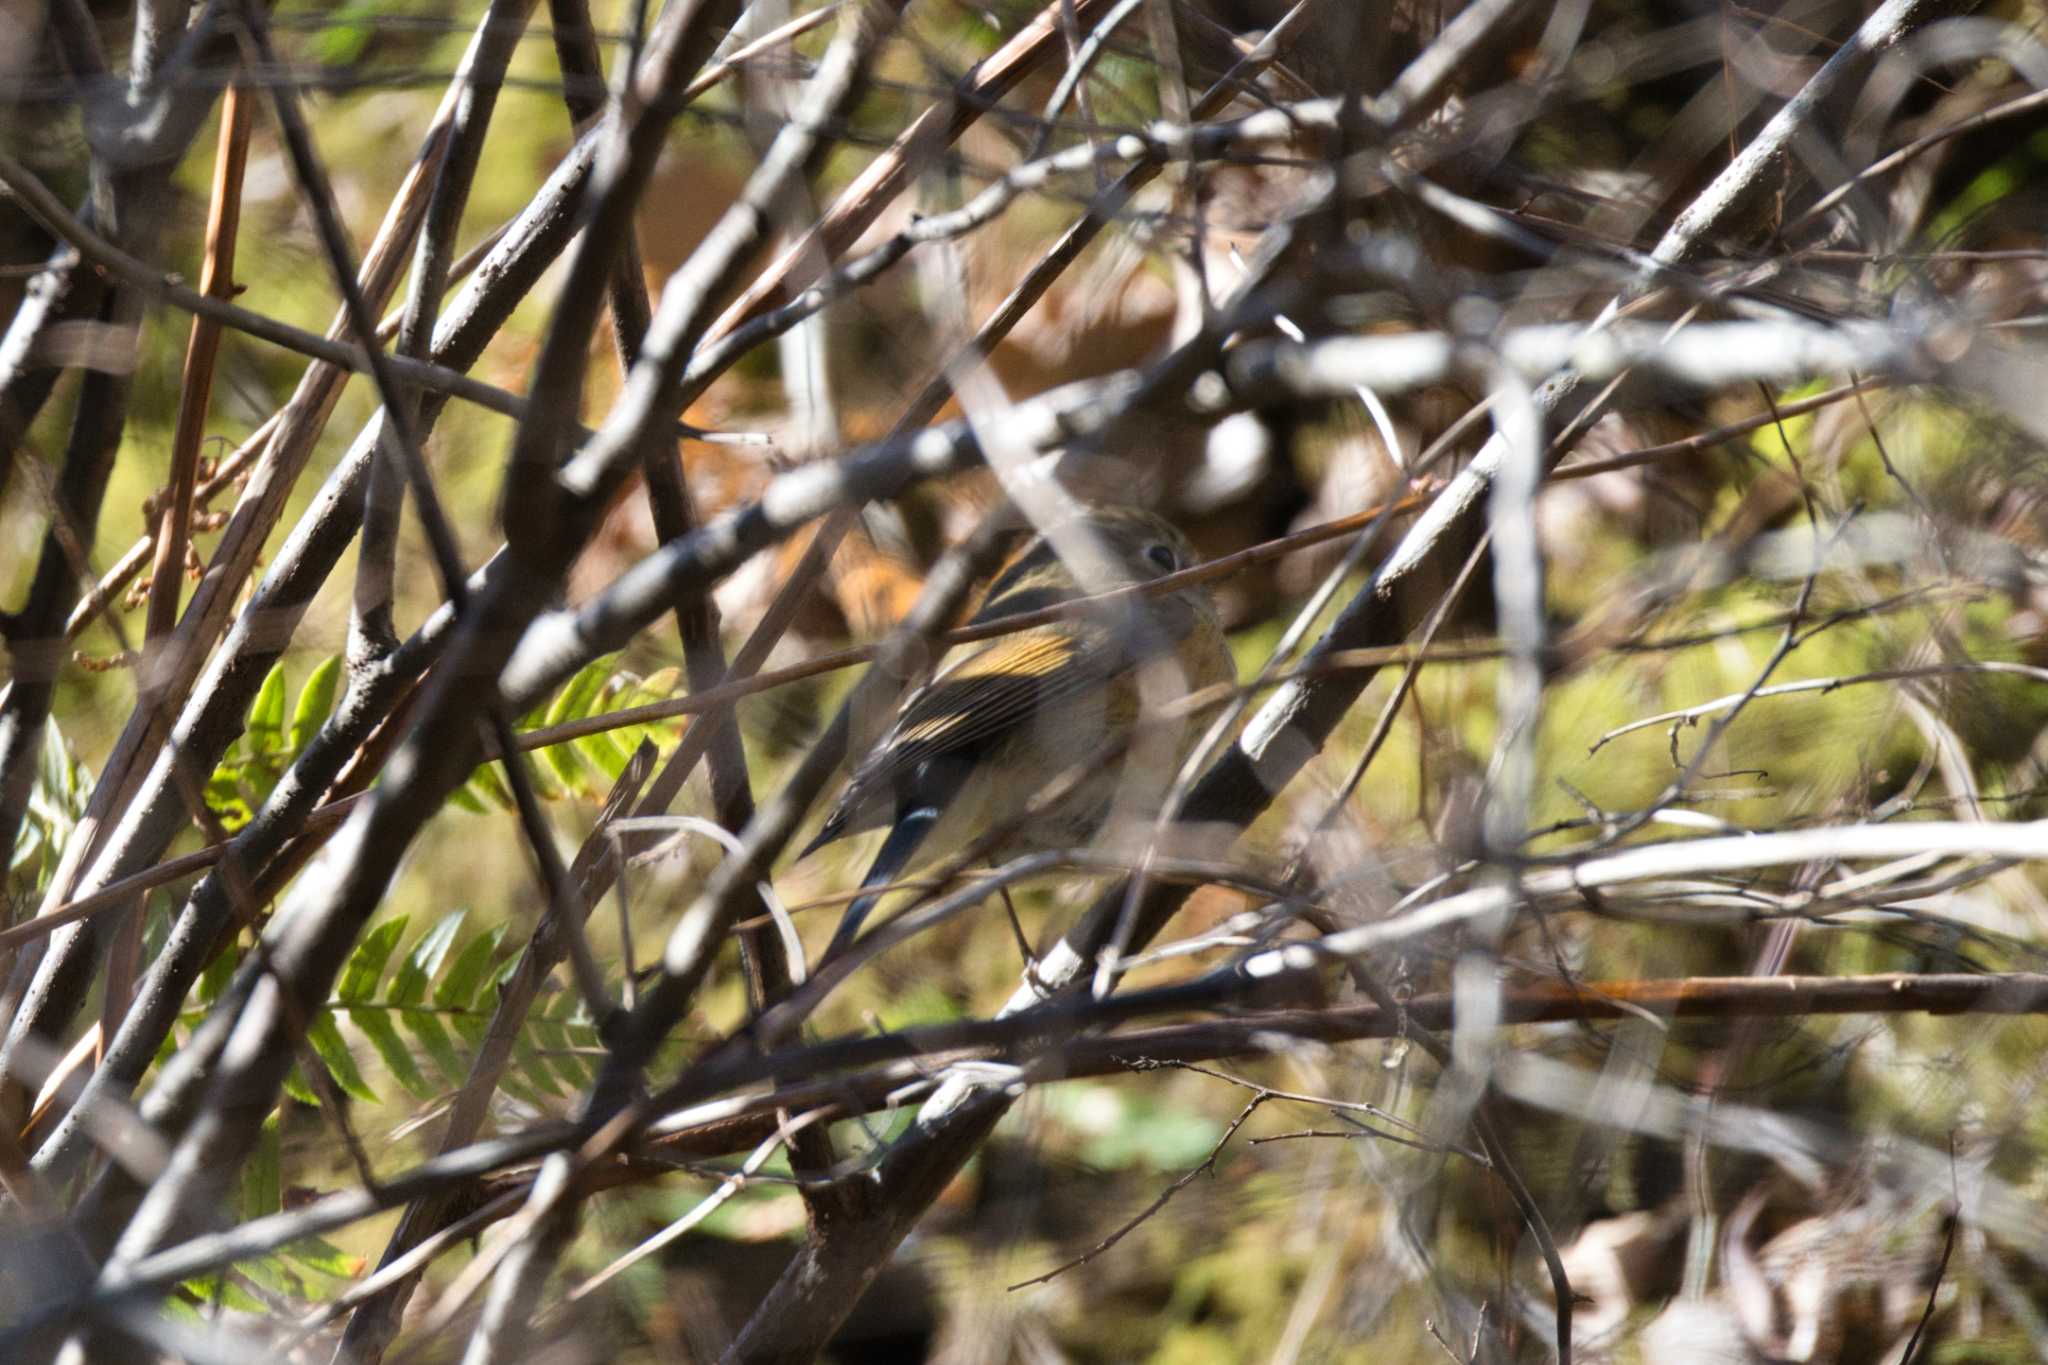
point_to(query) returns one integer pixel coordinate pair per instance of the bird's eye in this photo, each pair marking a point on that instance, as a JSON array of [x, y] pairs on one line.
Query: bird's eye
[[1160, 553]]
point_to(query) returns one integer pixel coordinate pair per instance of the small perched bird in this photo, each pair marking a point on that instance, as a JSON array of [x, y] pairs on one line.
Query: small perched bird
[[970, 749]]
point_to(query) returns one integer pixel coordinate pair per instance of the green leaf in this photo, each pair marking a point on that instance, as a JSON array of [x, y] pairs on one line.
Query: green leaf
[[1120, 1131], [56, 802], [409, 987], [374, 1023], [577, 699], [366, 964], [56, 759], [466, 976], [214, 979], [222, 1291], [521, 1091], [295, 1086], [425, 1025], [490, 788], [550, 1028], [534, 1067], [466, 798], [324, 1036], [323, 1256], [270, 1273], [345, 36], [224, 796], [316, 702], [603, 755], [266, 713], [263, 1175]]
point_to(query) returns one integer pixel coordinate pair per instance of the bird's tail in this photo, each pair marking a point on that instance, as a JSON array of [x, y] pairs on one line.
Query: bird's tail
[[905, 835]]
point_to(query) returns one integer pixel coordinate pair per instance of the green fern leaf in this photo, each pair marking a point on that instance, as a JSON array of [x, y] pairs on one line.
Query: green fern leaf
[[324, 1037]]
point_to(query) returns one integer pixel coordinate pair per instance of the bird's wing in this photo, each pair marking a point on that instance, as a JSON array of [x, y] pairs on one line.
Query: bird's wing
[[993, 691], [970, 705]]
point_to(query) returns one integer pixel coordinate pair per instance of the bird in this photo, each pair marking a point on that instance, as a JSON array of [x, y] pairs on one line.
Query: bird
[[968, 751]]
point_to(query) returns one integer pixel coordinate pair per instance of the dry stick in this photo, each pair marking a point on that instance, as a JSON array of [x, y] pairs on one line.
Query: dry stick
[[821, 1284], [859, 204], [460, 112], [34, 634], [695, 287], [743, 681], [555, 646], [861, 1244], [742, 1122], [1690, 714], [1207, 1166], [856, 208], [127, 193], [2013, 108], [756, 637], [372, 639], [57, 293], [542, 231], [655, 93], [316, 547], [461, 150], [411, 1264], [162, 874], [230, 469], [706, 924], [539, 233], [1298, 969], [64, 564], [64, 971], [679, 328], [57, 1070], [812, 492], [729, 1186], [1208, 571], [174, 534], [501, 24], [911, 1058], [319, 923], [675, 515], [764, 958], [195, 390], [140, 744], [1101, 212], [136, 129], [90, 1047], [495, 399], [747, 683], [558, 645], [401, 421], [326, 816], [688, 956], [337, 349], [372, 1327], [143, 550], [818, 553], [886, 176], [376, 1319], [1948, 1246]]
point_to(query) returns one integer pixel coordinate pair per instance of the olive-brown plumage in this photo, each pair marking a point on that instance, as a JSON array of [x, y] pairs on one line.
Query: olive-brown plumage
[[972, 748]]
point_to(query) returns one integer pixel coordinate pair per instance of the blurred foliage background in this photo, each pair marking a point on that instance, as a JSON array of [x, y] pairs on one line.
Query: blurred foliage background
[[1895, 531]]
